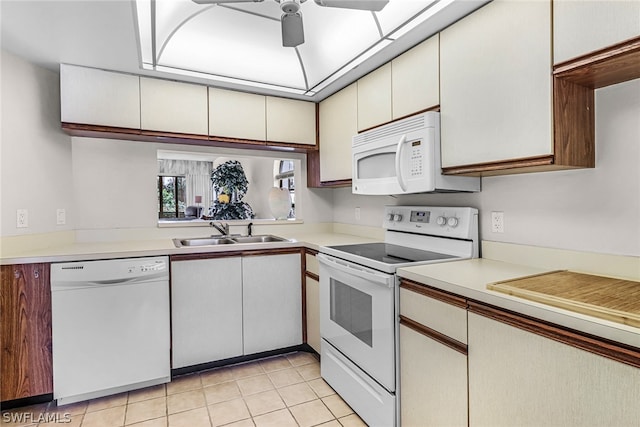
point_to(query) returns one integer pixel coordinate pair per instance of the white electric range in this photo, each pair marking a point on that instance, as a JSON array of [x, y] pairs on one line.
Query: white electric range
[[359, 301]]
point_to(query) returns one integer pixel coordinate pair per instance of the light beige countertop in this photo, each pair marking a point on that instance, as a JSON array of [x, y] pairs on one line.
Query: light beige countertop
[[469, 279], [79, 251]]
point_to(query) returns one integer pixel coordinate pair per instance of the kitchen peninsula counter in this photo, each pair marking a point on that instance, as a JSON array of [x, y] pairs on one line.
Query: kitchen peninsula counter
[[469, 279]]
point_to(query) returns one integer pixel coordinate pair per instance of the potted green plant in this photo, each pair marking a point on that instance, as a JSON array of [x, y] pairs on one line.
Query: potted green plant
[[230, 185]]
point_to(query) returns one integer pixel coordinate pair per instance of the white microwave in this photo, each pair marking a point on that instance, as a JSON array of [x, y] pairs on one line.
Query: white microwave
[[403, 157]]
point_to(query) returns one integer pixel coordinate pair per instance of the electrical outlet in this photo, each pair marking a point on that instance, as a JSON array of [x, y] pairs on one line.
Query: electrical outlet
[[22, 218], [497, 222], [357, 214], [61, 216]]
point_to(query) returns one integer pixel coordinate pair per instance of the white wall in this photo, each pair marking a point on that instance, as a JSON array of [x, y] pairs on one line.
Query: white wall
[[35, 153], [594, 210]]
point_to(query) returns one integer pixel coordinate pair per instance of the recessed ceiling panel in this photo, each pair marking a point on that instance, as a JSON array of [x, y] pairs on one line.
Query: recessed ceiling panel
[[225, 42]]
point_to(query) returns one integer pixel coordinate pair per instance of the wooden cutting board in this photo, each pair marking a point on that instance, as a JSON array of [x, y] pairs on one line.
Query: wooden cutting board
[[604, 297]]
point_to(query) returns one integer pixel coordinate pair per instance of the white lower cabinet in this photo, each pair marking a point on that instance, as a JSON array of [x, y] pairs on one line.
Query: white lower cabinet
[[271, 302], [206, 310], [433, 375], [233, 306], [520, 378]]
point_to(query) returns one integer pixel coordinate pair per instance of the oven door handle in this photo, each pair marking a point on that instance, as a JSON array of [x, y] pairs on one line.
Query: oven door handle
[[399, 171], [368, 274]]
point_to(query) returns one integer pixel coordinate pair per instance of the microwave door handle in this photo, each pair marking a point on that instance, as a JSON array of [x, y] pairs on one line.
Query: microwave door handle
[[356, 270], [401, 181]]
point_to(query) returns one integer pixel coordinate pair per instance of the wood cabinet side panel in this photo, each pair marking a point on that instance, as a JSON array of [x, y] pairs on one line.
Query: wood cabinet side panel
[[26, 364]]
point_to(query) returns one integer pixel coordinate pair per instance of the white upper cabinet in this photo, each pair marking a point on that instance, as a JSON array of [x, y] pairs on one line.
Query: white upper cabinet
[[237, 114], [290, 120], [374, 98], [173, 106], [415, 79], [97, 97], [581, 27], [495, 84], [338, 124]]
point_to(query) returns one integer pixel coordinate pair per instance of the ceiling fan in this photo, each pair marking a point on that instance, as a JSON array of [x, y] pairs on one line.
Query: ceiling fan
[[291, 19]]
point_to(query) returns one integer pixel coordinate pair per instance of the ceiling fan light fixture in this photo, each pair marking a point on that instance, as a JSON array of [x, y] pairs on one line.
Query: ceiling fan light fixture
[[372, 5], [292, 29]]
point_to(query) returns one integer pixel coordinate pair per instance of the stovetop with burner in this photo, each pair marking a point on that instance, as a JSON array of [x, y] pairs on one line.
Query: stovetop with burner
[[416, 235]]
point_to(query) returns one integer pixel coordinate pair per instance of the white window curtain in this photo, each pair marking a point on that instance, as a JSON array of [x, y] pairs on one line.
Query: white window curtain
[[197, 179]]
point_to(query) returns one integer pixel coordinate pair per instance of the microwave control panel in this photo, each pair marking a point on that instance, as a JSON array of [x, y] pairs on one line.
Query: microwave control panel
[[416, 159]]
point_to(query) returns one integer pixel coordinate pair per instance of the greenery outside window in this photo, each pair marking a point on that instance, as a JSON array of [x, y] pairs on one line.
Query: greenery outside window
[[171, 197]]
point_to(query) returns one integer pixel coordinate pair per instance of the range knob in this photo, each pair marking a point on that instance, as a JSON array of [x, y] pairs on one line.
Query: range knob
[[397, 217], [390, 217], [452, 222], [442, 221]]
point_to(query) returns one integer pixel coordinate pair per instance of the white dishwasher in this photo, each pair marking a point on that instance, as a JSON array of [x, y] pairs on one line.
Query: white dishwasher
[[111, 330]]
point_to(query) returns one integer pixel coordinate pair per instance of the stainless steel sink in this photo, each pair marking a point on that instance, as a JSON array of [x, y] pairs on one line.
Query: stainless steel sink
[[264, 238], [202, 241], [227, 240]]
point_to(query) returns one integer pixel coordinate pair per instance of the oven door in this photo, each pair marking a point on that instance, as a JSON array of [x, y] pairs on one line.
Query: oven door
[[357, 316]]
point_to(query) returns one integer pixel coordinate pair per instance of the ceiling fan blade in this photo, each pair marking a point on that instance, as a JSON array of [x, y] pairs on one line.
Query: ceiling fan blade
[[225, 1], [292, 29], [372, 5]]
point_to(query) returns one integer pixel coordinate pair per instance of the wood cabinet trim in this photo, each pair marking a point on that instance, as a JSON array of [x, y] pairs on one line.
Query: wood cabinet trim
[[431, 292], [604, 67], [502, 166], [312, 276], [310, 251], [434, 335], [97, 131], [600, 346], [433, 108], [234, 253]]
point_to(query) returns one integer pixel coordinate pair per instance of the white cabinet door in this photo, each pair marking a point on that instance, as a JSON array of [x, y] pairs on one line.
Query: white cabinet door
[[206, 310], [237, 114], [313, 303], [272, 302], [313, 314], [495, 84], [374, 98], [433, 382], [433, 376], [97, 97], [291, 120], [581, 27], [415, 79], [520, 378], [338, 124], [173, 106]]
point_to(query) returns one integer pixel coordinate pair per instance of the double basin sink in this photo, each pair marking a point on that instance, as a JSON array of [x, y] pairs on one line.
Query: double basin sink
[[227, 240]]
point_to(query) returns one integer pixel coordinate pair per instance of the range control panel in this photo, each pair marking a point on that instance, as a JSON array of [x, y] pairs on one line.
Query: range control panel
[[455, 222]]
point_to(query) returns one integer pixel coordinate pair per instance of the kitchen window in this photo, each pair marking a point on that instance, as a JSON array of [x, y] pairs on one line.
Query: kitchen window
[[284, 178], [171, 196]]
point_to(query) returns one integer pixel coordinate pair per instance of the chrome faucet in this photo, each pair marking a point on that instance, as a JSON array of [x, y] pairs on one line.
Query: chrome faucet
[[222, 228], [249, 228]]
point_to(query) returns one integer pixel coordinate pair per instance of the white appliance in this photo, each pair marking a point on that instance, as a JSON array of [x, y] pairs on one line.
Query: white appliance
[[359, 301], [110, 322], [403, 157]]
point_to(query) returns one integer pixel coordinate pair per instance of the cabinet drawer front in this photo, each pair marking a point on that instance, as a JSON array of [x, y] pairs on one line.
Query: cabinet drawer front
[[437, 315]]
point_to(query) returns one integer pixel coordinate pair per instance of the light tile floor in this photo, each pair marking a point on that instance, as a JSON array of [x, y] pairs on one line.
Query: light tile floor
[[279, 391]]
